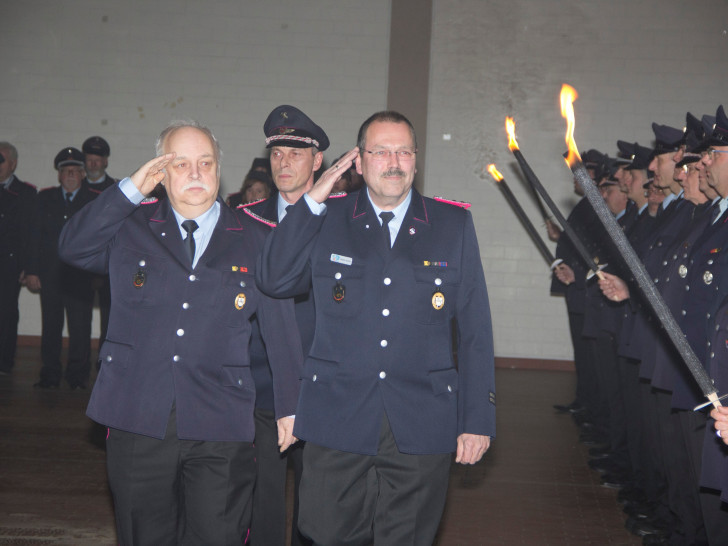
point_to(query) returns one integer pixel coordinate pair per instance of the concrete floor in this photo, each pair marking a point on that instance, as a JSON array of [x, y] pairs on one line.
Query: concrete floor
[[533, 487]]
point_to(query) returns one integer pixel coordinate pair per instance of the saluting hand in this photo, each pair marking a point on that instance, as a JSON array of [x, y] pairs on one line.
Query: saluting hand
[[323, 186], [151, 173]]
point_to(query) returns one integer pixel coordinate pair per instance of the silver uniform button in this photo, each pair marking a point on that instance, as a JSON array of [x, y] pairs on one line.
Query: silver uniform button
[[383, 343], [385, 312], [109, 358], [185, 305], [438, 282], [242, 284], [382, 375], [192, 277], [180, 332], [142, 263], [240, 382], [314, 378], [337, 276], [684, 312], [710, 262], [449, 388], [175, 358], [387, 281]]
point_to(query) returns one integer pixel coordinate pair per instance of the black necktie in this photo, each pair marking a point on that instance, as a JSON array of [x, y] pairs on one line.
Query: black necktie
[[69, 197], [386, 218], [190, 226]]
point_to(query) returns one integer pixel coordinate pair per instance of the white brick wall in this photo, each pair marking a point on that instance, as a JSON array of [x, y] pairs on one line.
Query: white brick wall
[[123, 70], [632, 63]]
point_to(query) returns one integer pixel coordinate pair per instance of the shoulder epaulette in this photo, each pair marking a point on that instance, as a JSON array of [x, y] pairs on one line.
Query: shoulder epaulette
[[149, 201], [461, 204], [28, 184], [338, 194], [48, 188], [94, 190], [260, 219], [244, 205]]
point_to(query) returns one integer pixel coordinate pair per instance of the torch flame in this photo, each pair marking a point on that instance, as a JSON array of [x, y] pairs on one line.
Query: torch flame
[[511, 130], [494, 172], [568, 96]]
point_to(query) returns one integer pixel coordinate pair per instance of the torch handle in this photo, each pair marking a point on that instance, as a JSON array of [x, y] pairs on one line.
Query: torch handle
[[530, 175], [570, 233], [516, 206]]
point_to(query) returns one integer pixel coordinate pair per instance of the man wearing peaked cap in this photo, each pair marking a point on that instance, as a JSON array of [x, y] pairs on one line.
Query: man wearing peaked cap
[[63, 289], [382, 405], [17, 200], [96, 153], [96, 159], [295, 143]]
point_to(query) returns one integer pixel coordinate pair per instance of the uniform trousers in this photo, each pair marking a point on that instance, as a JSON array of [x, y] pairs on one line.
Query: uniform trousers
[[9, 292], [179, 492], [268, 526], [75, 299], [629, 385], [388, 499], [585, 378]]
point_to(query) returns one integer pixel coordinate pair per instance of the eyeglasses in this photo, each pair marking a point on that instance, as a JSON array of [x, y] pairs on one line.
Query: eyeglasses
[[384, 155], [710, 152]]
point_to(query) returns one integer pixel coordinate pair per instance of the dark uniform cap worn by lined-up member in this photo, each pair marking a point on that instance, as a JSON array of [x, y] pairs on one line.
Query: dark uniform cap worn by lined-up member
[[68, 156], [96, 145], [288, 126], [719, 136], [642, 158], [626, 152], [667, 139]]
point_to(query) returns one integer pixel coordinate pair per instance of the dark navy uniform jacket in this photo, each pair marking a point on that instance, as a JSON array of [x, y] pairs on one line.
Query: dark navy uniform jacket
[[182, 337], [305, 318], [51, 213], [16, 210], [386, 347]]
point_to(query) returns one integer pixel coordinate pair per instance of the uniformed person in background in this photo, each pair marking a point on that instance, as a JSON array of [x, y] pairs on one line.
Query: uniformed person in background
[[64, 290], [175, 387], [390, 270], [96, 152], [17, 200], [256, 187]]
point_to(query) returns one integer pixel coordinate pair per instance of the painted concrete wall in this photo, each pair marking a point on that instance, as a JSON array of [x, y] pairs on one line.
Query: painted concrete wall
[[632, 63]]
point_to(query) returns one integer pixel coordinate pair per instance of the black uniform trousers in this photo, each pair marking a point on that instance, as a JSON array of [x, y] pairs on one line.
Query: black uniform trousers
[[179, 492], [9, 292], [73, 298], [268, 526], [388, 499]]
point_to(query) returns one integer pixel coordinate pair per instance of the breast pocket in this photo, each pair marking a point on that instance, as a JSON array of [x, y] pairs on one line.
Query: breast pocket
[[139, 278], [435, 293], [237, 298], [339, 288]]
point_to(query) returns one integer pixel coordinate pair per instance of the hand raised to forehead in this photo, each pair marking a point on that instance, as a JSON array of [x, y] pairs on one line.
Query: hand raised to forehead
[[322, 188], [151, 173]]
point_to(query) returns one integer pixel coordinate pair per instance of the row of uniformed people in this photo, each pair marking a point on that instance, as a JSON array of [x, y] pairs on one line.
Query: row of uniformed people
[[634, 394]]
